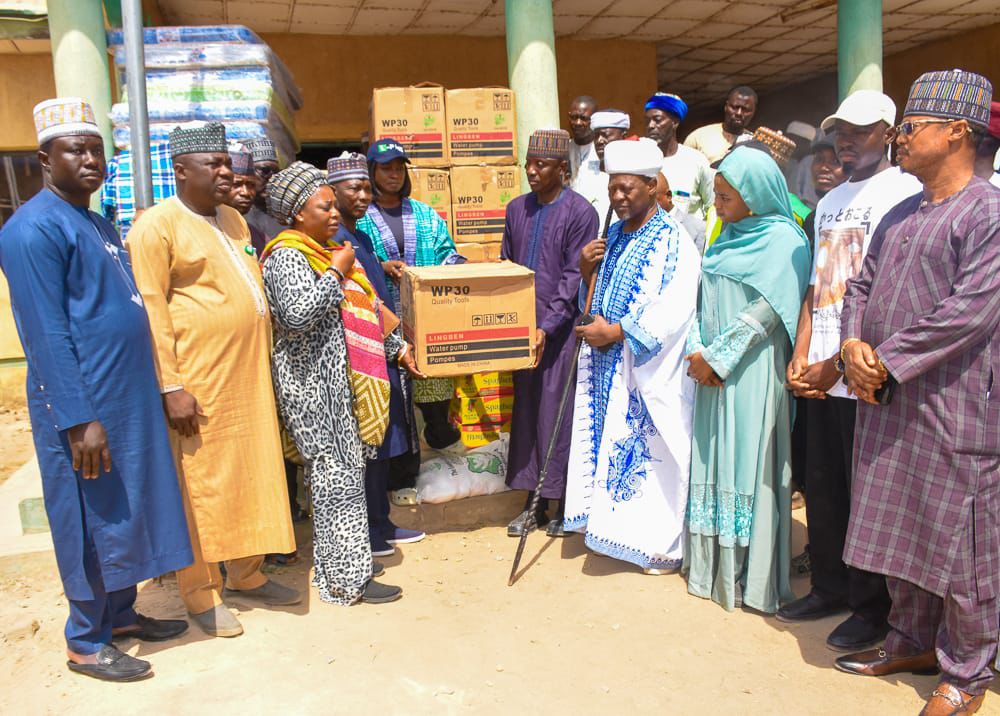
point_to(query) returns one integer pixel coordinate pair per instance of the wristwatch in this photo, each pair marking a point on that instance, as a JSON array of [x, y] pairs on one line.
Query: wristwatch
[[838, 363]]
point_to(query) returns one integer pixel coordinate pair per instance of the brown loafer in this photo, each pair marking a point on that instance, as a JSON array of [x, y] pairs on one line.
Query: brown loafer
[[876, 662], [949, 700]]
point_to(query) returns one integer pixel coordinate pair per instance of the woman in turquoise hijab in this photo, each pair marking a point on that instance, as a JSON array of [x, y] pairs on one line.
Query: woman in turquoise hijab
[[753, 279]]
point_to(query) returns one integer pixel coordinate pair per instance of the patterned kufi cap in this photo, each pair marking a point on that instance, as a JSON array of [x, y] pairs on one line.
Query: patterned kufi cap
[[290, 189], [951, 94], [778, 145], [242, 160], [262, 149], [206, 139], [549, 144], [64, 117], [349, 165]]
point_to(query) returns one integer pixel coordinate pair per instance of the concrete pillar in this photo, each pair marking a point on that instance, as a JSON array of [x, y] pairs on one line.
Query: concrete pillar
[[531, 66], [80, 57], [859, 45]]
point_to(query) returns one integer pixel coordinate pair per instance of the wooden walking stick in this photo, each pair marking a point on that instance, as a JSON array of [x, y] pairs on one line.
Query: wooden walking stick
[[585, 319]]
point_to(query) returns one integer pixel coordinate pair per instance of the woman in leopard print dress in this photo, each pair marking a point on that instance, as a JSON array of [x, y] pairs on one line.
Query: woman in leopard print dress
[[311, 379]]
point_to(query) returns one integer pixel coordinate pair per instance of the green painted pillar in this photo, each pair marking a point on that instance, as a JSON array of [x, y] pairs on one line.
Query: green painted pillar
[[531, 66], [859, 45], [80, 58]]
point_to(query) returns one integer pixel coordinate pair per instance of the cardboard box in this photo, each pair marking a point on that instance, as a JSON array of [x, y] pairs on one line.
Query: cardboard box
[[433, 187], [479, 198], [487, 251], [474, 436], [477, 384], [482, 127], [469, 318], [487, 411], [414, 117]]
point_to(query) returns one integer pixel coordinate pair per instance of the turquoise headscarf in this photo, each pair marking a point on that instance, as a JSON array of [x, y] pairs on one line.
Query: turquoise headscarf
[[768, 251]]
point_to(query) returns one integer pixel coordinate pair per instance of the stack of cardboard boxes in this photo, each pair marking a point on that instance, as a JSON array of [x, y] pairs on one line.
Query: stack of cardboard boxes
[[462, 146]]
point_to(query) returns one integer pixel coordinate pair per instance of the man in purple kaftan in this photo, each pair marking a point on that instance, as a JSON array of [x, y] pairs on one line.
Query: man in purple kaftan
[[921, 321], [545, 231]]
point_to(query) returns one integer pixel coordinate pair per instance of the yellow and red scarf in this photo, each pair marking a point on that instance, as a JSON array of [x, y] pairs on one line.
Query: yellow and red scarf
[[361, 313]]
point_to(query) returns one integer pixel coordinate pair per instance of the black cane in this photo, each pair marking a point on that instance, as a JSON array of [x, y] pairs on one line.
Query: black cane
[[586, 319]]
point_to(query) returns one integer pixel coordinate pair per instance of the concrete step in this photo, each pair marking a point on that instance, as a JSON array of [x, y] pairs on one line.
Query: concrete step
[[461, 515]]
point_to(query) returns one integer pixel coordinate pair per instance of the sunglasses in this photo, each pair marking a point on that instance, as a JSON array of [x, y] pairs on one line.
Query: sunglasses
[[908, 129]]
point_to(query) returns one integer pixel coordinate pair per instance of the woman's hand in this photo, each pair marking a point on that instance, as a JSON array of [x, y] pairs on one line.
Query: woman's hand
[[591, 256], [410, 363], [393, 269], [343, 258], [701, 372]]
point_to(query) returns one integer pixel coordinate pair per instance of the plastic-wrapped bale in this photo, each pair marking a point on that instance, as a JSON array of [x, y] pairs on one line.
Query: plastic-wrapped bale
[[186, 56], [447, 477], [190, 34]]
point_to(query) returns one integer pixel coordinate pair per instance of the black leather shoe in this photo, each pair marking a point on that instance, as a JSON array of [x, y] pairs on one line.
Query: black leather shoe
[[113, 665], [856, 634], [810, 607], [150, 629]]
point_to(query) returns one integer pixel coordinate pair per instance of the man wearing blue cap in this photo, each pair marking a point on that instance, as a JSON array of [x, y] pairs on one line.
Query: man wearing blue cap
[[407, 232], [686, 169]]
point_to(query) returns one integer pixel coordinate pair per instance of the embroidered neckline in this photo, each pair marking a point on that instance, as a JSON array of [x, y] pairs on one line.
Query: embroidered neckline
[[260, 303]]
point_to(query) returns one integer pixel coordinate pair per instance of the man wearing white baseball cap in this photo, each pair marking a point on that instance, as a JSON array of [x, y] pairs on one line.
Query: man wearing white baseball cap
[[846, 218]]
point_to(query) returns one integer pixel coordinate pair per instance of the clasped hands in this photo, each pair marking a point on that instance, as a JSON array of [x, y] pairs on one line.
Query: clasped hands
[[864, 371]]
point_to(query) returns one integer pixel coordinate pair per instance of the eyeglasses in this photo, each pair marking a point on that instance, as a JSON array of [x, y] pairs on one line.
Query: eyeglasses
[[908, 129]]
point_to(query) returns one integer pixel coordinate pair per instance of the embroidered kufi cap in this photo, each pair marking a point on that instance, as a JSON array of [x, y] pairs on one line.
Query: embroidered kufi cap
[[778, 145], [951, 94], [349, 165], [62, 117], [549, 144], [205, 139], [289, 190], [641, 157], [262, 149]]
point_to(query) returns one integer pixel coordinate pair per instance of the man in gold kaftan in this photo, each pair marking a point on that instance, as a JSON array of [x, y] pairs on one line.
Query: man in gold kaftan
[[211, 331]]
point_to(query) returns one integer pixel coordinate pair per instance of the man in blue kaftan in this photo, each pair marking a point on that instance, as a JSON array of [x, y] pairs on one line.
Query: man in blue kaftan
[[111, 492]]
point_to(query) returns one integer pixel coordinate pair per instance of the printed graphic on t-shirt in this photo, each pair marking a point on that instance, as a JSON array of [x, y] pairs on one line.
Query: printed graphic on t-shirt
[[839, 253]]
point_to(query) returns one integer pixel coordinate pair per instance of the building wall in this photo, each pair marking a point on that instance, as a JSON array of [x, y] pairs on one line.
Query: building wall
[[25, 80], [816, 98], [337, 74]]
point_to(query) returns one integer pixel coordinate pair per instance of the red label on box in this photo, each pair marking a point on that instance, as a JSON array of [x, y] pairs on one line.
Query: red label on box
[[477, 335]]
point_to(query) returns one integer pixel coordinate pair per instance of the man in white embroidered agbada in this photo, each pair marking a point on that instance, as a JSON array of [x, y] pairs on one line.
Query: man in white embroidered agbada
[[630, 455]]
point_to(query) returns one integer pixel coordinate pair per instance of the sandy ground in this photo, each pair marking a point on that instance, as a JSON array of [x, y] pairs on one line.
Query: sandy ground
[[579, 633], [15, 440]]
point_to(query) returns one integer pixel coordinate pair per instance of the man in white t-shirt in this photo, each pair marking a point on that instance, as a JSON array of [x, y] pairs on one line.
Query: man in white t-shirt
[[846, 218], [583, 161], [686, 169], [608, 125]]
